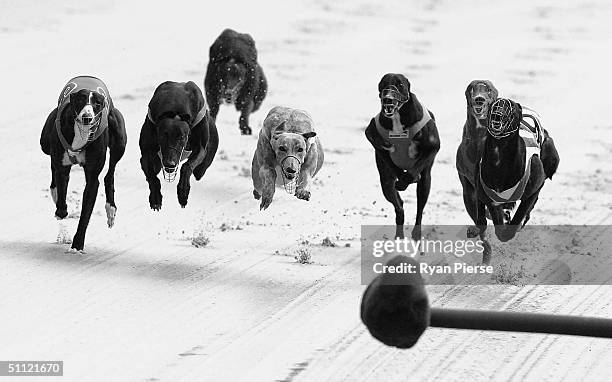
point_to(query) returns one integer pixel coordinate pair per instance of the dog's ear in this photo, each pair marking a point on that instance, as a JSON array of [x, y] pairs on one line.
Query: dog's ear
[[468, 92], [278, 130], [310, 134], [406, 84], [71, 96], [519, 111], [383, 82], [196, 99], [492, 89]]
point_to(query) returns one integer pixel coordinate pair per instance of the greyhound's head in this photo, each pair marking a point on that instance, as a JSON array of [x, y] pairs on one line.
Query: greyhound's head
[[290, 150], [233, 77], [394, 92], [87, 106], [173, 134], [504, 118], [479, 95]]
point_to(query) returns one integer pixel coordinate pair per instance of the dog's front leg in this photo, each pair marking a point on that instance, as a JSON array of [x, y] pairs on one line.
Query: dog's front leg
[[481, 221], [243, 122], [89, 200], [508, 231], [183, 188], [151, 166], [62, 176], [267, 174], [302, 191]]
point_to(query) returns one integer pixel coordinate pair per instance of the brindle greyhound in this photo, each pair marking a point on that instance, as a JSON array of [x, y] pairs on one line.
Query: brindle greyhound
[[406, 141], [518, 155]]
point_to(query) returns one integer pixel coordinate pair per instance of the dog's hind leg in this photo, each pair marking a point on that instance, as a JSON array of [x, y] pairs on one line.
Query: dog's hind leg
[[387, 183], [423, 187], [117, 143], [211, 150]]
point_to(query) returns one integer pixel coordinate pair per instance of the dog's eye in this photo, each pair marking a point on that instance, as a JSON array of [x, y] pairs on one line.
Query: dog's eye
[[300, 150], [282, 148]]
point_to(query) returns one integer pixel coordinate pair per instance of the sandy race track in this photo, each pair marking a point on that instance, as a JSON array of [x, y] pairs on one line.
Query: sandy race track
[[144, 304]]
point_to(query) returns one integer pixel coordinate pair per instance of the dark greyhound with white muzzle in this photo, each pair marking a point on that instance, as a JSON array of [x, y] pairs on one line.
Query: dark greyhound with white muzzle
[[177, 128]]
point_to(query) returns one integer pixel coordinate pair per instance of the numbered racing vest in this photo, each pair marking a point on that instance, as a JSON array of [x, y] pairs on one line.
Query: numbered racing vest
[[405, 151]]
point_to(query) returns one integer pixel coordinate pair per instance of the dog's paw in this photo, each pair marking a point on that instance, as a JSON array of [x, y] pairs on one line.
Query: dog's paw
[[74, 251], [111, 212], [505, 232], [416, 233], [256, 195], [302, 194], [473, 231], [61, 213], [77, 243], [246, 130], [155, 201], [182, 191], [266, 200]]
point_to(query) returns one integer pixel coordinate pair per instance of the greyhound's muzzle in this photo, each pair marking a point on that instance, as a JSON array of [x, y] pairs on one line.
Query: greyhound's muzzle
[[480, 107], [169, 171], [391, 101], [290, 168], [231, 93], [88, 124], [502, 120]]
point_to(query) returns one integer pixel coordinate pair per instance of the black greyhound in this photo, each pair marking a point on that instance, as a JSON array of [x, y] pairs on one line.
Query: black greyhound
[[479, 96], [406, 141], [178, 126], [517, 157], [233, 76], [78, 131]]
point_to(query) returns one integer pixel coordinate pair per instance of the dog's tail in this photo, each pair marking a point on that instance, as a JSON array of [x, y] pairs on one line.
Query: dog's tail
[[549, 156]]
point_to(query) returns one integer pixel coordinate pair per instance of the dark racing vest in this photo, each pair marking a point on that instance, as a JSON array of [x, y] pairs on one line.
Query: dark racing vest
[[405, 151], [73, 86]]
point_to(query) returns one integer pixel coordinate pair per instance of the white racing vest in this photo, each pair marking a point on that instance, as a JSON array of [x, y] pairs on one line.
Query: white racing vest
[[533, 135]]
